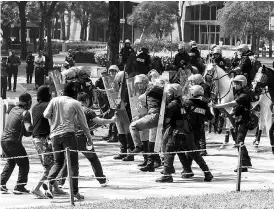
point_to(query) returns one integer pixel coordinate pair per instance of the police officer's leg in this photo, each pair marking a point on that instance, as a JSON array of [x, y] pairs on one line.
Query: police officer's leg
[[130, 147], [241, 134], [271, 135], [197, 136], [9, 78], [203, 142], [184, 159], [152, 138], [15, 73], [198, 158], [168, 161], [147, 122]]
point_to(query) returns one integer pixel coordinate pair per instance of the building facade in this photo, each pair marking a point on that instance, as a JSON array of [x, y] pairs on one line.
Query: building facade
[[199, 23]]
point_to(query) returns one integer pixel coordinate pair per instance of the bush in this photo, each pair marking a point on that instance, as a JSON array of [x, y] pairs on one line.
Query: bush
[[84, 57], [100, 56]]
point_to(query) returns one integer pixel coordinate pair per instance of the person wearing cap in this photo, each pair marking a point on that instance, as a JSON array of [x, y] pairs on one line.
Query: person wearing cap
[[181, 133], [245, 66], [241, 113], [39, 64], [13, 63], [41, 140], [182, 58], [143, 62], [63, 112], [194, 53], [218, 59], [18, 125], [125, 52], [4, 76], [29, 67], [70, 58]]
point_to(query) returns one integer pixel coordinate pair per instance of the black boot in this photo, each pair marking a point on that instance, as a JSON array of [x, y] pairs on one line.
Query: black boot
[[226, 136], [203, 144], [208, 176], [123, 147], [165, 179], [150, 164], [145, 145], [130, 147], [258, 138], [157, 161]]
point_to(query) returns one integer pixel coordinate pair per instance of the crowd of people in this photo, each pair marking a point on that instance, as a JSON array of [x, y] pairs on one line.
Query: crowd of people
[[66, 121]]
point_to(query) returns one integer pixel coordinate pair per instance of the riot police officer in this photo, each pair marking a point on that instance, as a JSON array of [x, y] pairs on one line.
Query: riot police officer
[[244, 67], [209, 57], [182, 120], [182, 58], [125, 52], [242, 105], [218, 59], [143, 62], [194, 53], [29, 66]]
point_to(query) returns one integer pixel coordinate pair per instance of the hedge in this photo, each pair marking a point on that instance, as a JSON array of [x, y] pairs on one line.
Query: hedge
[[84, 57]]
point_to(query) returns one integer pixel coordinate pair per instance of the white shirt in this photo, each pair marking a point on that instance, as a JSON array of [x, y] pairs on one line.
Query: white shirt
[[40, 60]]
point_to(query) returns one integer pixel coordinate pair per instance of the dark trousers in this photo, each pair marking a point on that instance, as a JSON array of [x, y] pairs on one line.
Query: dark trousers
[[13, 71], [61, 142], [181, 142], [39, 76], [241, 131], [14, 149], [271, 135], [4, 85], [92, 157], [29, 76]]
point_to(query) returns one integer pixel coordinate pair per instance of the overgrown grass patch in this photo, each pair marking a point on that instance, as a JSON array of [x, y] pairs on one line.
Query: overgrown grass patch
[[259, 199]]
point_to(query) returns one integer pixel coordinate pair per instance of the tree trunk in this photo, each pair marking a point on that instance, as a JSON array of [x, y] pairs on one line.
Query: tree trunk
[[69, 22], [63, 27], [82, 33], [49, 25], [253, 44], [270, 47], [56, 27], [22, 14], [257, 45], [179, 28], [41, 32], [114, 30]]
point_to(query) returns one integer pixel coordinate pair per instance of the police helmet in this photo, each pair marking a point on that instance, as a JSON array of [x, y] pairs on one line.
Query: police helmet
[[193, 44], [240, 78], [213, 46], [127, 41], [142, 78], [174, 90], [217, 50], [153, 74], [197, 78], [243, 48], [114, 67], [196, 91]]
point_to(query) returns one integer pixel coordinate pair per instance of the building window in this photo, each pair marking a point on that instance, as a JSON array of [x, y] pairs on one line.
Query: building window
[[213, 13], [205, 12]]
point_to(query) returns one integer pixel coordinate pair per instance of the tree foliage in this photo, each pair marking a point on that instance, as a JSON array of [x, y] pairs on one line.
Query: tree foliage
[[154, 17], [89, 12], [243, 18]]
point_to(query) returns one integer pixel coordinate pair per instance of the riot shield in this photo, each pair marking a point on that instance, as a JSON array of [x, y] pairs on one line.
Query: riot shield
[[112, 94], [159, 133], [137, 107], [58, 81]]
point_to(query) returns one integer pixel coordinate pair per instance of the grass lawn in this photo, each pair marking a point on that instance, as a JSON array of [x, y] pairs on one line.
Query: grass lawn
[[260, 199]]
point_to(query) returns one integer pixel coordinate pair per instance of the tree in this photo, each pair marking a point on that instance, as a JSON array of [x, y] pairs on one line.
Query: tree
[[87, 12], [114, 30], [23, 20], [153, 18], [245, 18], [47, 9], [9, 15]]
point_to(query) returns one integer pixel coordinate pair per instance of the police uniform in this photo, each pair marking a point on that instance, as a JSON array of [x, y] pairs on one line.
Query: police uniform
[[245, 65], [143, 62], [70, 59], [180, 131], [29, 67], [242, 116], [220, 62], [4, 81], [125, 52], [181, 59], [195, 56]]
